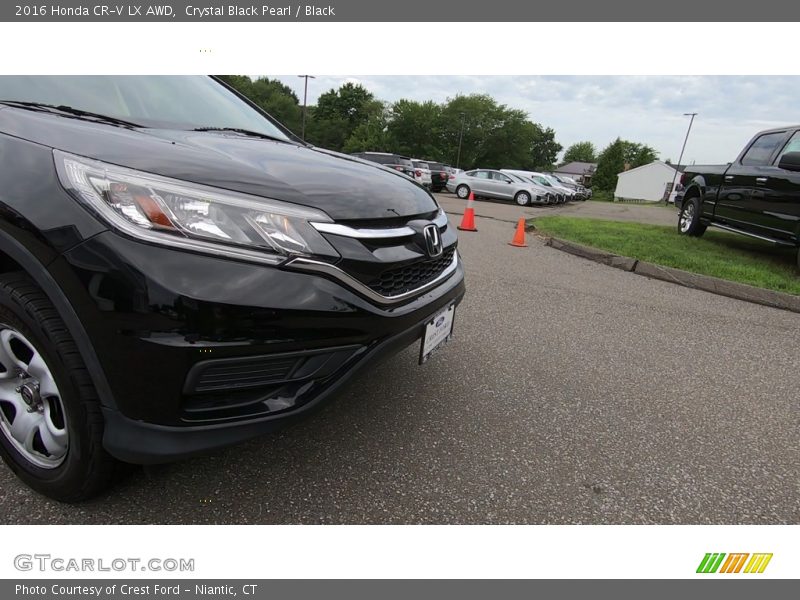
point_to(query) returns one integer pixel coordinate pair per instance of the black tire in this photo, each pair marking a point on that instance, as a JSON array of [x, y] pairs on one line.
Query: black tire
[[522, 198], [87, 468], [462, 191], [689, 218]]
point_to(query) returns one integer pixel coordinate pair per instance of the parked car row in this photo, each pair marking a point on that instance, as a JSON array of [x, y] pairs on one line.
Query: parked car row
[[523, 187], [582, 191], [432, 175]]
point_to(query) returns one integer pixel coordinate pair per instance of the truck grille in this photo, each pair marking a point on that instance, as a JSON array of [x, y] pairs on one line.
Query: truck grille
[[393, 282]]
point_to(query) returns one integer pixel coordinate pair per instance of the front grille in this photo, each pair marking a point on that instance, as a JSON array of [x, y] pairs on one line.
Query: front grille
[[393, 282]]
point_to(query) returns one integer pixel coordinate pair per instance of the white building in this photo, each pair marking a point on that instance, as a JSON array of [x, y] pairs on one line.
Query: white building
[[648, 182]]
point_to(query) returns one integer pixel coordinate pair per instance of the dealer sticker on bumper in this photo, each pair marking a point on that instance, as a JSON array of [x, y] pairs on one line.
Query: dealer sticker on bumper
[[438, 331]]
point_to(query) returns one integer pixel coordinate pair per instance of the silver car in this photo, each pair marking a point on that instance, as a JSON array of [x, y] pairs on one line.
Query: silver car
[[490, 183], [422, 172], [553, 195], [547, 182]]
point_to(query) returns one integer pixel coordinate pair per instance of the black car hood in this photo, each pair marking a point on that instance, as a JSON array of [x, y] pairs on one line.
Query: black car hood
[[342, 186]]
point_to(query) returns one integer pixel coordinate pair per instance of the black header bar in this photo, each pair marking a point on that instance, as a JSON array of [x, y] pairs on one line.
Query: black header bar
[[441, 11]]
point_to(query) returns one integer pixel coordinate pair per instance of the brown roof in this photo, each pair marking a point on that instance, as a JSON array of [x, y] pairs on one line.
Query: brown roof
[[577, 168]]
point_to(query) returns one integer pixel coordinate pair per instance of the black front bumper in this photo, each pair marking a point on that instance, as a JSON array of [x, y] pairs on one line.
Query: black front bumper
[[202, 352], [145, 443]]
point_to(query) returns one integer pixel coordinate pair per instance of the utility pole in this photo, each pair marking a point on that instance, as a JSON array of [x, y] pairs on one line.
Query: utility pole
[[680, 158], [460, 139], [305, 99]]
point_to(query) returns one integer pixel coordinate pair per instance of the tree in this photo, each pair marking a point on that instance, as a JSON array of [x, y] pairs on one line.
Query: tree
[[414, 129], [637, 155], [544, 148], [270, 95], [338, 113], [240, 83], [351, 119], [373, 133], [494, 135], [279, 100], [581, 152], [349, 102], [620, 155]]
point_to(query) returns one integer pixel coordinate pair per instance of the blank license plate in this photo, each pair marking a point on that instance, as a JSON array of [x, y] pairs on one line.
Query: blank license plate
[[438, 331]]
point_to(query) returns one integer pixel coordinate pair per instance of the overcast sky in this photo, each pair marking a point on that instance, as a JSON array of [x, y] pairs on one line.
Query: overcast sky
[[599, 109]]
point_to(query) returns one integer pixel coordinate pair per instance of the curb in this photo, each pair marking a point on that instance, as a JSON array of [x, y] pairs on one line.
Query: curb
[[595, 254], [722, 287]]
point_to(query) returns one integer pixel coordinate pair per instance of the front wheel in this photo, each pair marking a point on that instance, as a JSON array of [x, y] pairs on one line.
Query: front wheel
[[51, 427], [522, 198], [689, 218], [462, 192]]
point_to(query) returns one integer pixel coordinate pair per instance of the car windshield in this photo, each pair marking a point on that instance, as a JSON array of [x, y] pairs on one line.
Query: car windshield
[[185, 102], [436, 166], [404, 162], [420, 165], [542, 180]]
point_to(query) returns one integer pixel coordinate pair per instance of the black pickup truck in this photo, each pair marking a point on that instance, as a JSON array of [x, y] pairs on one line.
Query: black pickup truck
[[757, 195]]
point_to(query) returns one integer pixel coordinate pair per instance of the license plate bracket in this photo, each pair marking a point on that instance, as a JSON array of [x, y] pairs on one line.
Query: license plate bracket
[[438, 331]]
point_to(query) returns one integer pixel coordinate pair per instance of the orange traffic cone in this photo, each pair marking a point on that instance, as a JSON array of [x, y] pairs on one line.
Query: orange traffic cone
[[468, 220], [519, 235]]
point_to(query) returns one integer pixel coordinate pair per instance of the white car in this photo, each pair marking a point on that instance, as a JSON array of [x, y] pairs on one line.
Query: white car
[[422, 172], [546, 181]]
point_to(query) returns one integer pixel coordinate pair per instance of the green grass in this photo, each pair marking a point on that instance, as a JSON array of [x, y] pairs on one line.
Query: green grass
[[601, 196], [719, 254]]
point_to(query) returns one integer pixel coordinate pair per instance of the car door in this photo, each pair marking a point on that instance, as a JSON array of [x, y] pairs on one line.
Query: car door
[[502, 185], [776, 195], [481, 183], [736, 204]]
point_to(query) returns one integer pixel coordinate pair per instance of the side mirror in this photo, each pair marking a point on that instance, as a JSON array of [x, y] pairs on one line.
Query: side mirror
[[790, 161]]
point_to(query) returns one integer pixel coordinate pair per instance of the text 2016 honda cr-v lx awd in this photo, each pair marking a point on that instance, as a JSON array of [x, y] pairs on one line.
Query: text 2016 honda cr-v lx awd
[[179, 273]]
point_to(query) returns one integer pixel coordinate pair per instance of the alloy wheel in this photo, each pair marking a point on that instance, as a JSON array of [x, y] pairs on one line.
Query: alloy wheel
[[32, 415], [687, 217]]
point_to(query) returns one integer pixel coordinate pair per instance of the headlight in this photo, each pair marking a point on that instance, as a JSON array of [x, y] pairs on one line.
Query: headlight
[[191, 216]]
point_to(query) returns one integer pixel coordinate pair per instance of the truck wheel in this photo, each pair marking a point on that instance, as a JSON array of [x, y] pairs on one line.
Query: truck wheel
[[51, 427], [689, 218], [462, 192], [522, 198]]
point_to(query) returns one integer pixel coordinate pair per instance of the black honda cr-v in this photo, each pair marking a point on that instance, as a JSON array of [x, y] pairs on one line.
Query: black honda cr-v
[[178, 273]]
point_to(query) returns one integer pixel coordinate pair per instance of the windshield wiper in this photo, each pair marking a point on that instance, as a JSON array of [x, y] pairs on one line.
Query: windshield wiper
[[246, 132], [70, 111]]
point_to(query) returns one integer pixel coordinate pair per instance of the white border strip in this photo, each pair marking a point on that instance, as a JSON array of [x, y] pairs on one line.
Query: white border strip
[[409, 551], [362, 48]]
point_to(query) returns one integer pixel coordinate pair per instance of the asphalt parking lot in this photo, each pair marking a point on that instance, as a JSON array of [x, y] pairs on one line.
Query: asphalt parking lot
[[572, 393]]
